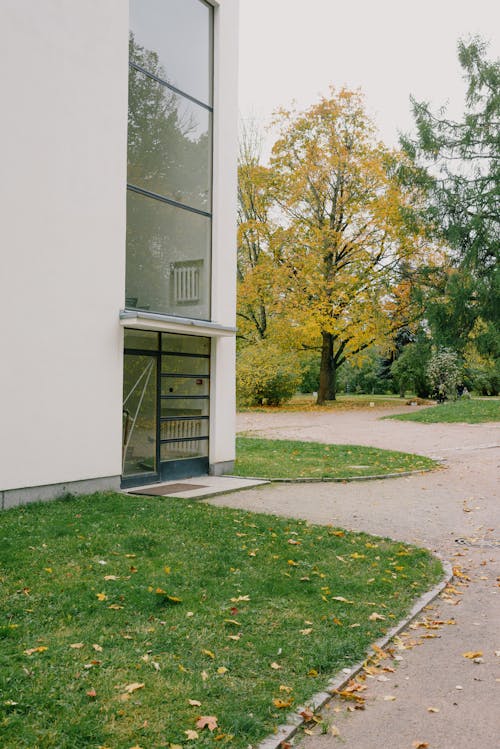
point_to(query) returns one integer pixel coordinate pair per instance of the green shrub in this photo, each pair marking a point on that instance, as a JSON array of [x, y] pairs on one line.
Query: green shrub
[[410, 369], [265, 374], [444, 373]]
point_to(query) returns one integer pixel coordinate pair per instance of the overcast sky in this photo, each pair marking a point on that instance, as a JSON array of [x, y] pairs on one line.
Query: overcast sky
[[294, 49]]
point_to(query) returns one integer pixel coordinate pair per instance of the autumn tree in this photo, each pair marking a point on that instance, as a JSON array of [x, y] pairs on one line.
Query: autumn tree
[[255, 230], [341, 207]]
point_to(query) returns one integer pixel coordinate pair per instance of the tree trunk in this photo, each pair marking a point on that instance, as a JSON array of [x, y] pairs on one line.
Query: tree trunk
[[332, 385], [325, 372]]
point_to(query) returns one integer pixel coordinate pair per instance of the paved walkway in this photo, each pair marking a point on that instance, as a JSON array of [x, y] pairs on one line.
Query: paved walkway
[[459, 502]]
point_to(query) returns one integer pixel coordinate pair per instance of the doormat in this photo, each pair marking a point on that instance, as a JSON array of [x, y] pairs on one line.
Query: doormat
[[165, 489]]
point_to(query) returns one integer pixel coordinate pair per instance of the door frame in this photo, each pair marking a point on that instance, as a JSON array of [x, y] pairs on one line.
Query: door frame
[[171, 469]]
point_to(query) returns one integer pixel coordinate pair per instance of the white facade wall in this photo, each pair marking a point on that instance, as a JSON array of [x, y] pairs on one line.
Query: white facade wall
[[62, 240]]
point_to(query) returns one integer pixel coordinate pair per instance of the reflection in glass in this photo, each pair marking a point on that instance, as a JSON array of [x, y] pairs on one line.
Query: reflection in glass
[[172, 407], [184, 365], [158, 237], [141, 339], [187, 449], [177, 39], [184, 386], [139, 415], [181, 429], [169, 143], [185, 344]]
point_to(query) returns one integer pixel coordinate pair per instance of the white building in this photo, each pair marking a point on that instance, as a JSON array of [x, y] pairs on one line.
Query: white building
[[117, 284]]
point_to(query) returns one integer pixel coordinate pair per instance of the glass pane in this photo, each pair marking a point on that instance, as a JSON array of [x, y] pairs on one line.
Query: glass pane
[[169, 143], [184, 407], [173, 40], [180, 450], [184, 386], [185, 344], [181, 429], [184, 365], [162, 242], [139, 415], [141, 339]]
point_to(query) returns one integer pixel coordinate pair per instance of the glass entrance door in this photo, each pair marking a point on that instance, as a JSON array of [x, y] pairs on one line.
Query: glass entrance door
[[166, 396], [139, 454]]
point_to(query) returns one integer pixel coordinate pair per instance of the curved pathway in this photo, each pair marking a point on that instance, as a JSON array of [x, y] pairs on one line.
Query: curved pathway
[[455, 512]]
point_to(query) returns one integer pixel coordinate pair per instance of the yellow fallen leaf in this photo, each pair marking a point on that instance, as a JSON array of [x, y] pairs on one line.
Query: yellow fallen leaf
[[341, 599], [209, 653], [312, 672], [432, 709], [473, 654], [111, 577], [191, 735], [166, 570], [389, 698], [276, 666], [306, 631], [204, 675], [420, 745], [39, 649], [240, 598], [292, 563], [115, 607], [97, 648], [232, 621], [234, 637], [77, 645], [279, 703], [284, 688], [101, 596], [195, 703], [222, 670]]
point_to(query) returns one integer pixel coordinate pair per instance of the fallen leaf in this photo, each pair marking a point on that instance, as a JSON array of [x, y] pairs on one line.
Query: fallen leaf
[[101, 596], [77, 645], [222, 670], [420, 745], [207, 721], [191, 735], [334, 731], [473, 654], [195, 703], [306, 631], [341, 599], [286, 689], [133, 687], [240, 598], [389, 698], [433, 709], [234, 637], [209, 653], [204, 675], [376, 617], [279, 703], [276, 666], [307, 714], [97, 648], [111, 577], [39, 649], [115, 606]]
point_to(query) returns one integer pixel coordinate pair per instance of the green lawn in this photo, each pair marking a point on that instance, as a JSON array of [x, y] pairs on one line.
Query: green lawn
[[290, 459], [471, 411], [125, 619]]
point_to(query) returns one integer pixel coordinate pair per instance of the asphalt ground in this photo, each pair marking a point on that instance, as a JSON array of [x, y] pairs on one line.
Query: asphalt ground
[[453, 511]]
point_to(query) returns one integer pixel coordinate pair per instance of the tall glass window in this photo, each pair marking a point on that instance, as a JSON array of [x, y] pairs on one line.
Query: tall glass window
[[170, 157]]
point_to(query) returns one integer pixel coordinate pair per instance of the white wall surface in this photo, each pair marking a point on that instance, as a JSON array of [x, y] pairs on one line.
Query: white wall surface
[[62, 237], [223, 402]]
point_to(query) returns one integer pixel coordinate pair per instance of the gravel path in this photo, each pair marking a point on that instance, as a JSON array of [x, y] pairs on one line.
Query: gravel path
[[454, 512]]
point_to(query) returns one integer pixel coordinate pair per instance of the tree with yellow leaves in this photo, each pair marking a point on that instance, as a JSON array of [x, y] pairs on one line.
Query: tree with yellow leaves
[[342, 212]]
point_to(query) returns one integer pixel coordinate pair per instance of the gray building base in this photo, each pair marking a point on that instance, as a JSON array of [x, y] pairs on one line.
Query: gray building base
[[219, 469], [14, 497]]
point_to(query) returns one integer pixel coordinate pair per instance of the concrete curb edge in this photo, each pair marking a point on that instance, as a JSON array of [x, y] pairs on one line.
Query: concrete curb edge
[[287, 730], [346, 479]]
